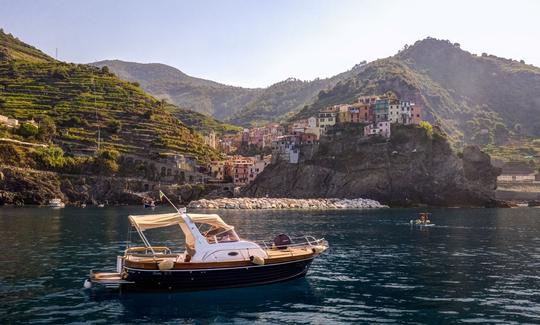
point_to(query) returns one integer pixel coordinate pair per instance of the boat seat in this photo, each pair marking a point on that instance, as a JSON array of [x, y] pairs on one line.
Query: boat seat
[[282, 241]]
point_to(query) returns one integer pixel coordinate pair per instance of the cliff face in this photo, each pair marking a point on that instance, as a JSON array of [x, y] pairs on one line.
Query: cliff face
[[412, 168]]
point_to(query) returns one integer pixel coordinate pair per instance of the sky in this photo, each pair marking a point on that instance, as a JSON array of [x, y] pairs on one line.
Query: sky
[[253, 43]]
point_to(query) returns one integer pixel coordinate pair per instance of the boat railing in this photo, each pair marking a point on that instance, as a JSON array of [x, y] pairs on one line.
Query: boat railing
[[295, 242], [154, 250]]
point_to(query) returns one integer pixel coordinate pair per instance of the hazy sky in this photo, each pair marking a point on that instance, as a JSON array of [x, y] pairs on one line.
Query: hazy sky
[[256, 43]]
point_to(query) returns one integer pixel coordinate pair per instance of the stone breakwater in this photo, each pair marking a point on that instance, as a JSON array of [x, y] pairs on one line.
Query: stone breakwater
[[283, 203]]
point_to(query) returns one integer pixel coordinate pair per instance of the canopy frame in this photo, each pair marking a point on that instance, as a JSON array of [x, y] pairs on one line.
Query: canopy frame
[[181, 219]]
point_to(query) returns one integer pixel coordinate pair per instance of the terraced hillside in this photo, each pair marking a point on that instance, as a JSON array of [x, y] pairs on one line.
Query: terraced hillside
[[82, 100]]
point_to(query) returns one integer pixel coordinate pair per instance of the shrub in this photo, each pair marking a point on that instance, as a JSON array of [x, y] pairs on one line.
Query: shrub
[[106, 162], [114, 126], [51, 157], [427, 127], [27, 130]]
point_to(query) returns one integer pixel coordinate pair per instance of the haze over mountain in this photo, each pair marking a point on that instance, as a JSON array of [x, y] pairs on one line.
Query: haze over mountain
[[467, 94], [234, 104], [474, 98]]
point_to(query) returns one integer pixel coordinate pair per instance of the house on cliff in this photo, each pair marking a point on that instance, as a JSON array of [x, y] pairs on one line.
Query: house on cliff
[[517, 173]]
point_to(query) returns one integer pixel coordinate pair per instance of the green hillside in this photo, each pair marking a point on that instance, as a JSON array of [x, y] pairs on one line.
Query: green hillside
[[476, 99], [81, 99], [200, 95], [237, 105]]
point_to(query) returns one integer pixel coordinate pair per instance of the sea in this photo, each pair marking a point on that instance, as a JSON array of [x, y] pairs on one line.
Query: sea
[[473, 266]]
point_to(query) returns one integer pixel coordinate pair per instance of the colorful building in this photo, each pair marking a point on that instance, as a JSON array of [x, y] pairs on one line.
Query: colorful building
[[380, 110], [327, 118], [416, 114]]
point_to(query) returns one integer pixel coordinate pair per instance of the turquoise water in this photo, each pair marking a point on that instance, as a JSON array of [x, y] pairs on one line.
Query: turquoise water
[[476, 265]]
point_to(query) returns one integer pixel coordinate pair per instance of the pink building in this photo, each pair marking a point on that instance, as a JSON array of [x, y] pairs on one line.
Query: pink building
[[416, 114]]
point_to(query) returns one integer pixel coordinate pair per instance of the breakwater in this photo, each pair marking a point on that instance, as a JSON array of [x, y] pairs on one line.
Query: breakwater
[[285, 203]]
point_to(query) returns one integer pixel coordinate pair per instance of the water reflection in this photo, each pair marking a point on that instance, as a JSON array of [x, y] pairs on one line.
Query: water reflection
[[208, 306]]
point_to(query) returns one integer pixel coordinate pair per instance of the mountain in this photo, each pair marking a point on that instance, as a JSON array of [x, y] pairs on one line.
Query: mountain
[[476, 99], [243, 106], [165, 82], [79, 100]]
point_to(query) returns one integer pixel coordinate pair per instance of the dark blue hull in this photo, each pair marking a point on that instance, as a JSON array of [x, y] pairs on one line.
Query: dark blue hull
[[215, 278]]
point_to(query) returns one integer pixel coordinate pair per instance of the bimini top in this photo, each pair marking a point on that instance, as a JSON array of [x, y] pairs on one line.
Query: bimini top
[[152, 221]]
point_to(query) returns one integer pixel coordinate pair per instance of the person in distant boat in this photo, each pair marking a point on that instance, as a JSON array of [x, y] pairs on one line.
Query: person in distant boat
[[424, 218]]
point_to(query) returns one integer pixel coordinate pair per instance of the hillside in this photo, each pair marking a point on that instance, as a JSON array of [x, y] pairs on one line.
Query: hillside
[[191, 93], [465, 93], [243, 106], [78, 100]]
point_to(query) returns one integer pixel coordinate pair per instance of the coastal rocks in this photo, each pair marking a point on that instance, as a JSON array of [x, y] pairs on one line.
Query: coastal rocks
[[414, 168], [284, 203]]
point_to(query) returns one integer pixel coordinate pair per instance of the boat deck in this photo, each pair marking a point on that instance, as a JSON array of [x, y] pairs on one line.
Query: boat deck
[[142, 261]]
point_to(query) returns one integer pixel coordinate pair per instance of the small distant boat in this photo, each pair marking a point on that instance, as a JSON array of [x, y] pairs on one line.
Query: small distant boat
[[423, 220], [214, 257], [150, 204], [101, 205], [83, 205], [56, 204]]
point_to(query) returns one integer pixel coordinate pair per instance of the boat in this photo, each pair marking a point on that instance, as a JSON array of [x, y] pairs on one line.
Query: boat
[[83, 205], [56, 203], [423, 220], [101, 205], [215, 257], [149, 204]]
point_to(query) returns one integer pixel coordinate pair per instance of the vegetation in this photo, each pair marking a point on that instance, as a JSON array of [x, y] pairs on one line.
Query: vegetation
[[241, 106], [476, 100], [427, 127], [72, 102]]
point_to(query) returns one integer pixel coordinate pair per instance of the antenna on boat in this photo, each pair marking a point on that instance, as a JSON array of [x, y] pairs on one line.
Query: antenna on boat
[[162, 195]]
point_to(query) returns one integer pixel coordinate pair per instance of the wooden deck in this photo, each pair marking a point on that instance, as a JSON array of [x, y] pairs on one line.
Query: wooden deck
[[274, 256]]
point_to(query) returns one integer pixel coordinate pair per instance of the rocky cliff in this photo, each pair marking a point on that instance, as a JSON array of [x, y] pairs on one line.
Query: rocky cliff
[[416, 167]]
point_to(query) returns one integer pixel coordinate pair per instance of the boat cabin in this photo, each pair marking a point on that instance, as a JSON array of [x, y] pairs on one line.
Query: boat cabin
[[207, 238]]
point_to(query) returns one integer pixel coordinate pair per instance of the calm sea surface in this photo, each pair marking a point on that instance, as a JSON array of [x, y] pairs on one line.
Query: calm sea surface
[[475, 266]]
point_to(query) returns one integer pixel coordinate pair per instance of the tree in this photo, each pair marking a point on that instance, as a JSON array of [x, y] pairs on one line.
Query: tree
[[500, 133], [47, 129], [28, 130]]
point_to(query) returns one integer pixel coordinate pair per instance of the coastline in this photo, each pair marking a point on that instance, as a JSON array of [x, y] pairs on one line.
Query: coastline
[[246, 203]]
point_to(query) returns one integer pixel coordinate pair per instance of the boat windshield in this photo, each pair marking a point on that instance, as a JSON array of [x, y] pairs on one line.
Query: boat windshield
[[220, 235]]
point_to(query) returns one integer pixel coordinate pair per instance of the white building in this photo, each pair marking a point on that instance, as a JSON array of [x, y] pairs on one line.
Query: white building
[[517, 174], [211, 140], [286, 148], [9, 122], [380, 128], [401, 112], [258, 166]]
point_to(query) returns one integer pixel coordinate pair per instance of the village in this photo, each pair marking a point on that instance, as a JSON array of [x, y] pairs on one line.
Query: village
[[273, 142], [372, 114]]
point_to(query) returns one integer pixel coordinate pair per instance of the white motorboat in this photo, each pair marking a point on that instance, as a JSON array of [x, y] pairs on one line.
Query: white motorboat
[[56, 203]]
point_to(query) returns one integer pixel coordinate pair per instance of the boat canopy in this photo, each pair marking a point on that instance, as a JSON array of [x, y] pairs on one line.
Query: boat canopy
[[152, 221]]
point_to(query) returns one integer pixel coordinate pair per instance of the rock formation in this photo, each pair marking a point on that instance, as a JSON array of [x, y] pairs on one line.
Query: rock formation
[[412, 168]]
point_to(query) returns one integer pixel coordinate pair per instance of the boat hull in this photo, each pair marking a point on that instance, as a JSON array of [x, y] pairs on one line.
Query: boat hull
[[214, 278]]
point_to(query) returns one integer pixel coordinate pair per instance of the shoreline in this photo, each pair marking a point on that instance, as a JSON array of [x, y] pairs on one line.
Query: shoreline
[[285, 204]]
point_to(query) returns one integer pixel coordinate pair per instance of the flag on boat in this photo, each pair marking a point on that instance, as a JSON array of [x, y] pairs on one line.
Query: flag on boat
[[161, 195]]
